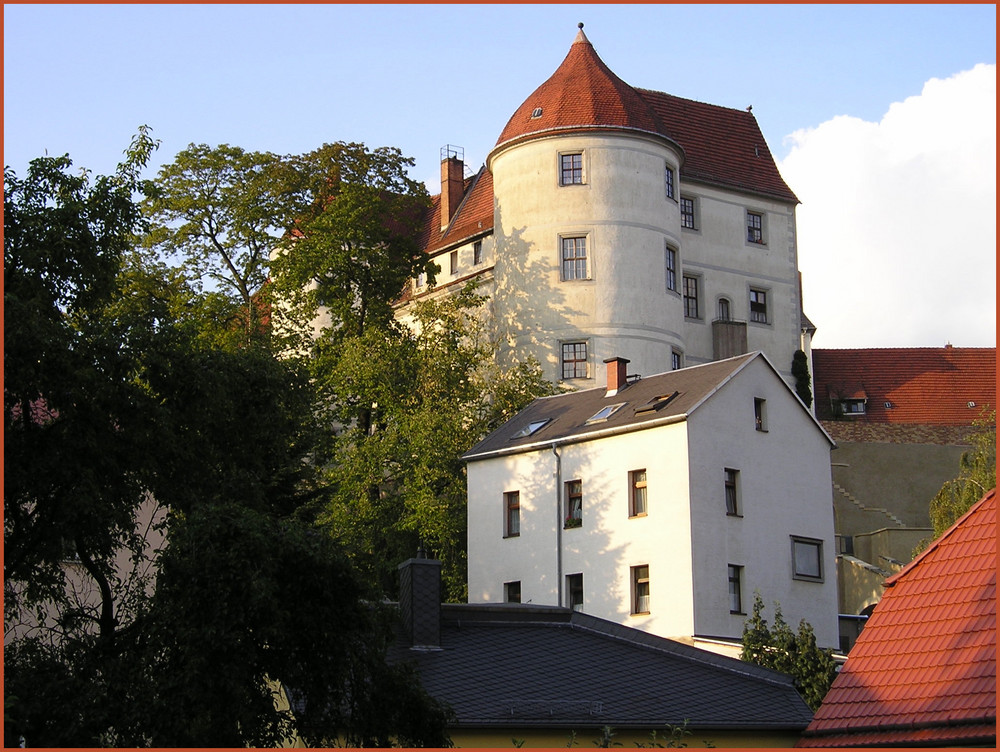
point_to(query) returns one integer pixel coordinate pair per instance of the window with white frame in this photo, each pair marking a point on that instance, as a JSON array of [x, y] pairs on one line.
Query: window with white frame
[[755, 228], [574, 591], [688, 220], [574, 360], [735, 589], [637, 493], [758, 306], [732, 486], [640, 589], [574, 503], [671, 262], [571, 169], [691, 297], [454, 262], [421, 280], [512, 592], [668, 180], [807, 559], [512, 514], [574, 257]]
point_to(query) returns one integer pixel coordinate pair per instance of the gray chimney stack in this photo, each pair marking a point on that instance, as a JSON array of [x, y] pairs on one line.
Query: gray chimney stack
[[420, 601]]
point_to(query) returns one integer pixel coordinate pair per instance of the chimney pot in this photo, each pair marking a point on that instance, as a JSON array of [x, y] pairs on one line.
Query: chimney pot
[[420, 601]]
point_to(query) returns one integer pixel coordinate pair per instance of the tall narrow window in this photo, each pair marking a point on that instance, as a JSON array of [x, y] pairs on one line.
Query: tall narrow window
[[735, 589], [574, 258], [687, 213], [574, 591], [675, 360], [574, 360], [755, 227], [574, 503], [512, 514], [571, 168], [454, 262], [724, 314], [637, 493], [691, 297], [512, 592], [477, 252], [640, 589], [668, 179], [422, 280], [758, 306], [671, 269], [760, 413], [732, 492]]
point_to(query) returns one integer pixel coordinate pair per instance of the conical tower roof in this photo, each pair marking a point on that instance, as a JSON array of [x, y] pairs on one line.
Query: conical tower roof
[[582, 94]]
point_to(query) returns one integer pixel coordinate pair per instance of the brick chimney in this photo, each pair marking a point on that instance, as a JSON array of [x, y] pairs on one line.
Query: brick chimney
[[452, 181], [617, 379], [420, 600]]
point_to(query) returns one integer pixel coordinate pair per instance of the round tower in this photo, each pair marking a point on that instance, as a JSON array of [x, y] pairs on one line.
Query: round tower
[[587, 226]]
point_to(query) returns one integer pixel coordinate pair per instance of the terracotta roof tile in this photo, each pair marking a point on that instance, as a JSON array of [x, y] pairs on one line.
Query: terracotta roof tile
[[938, 685], [924, 385]]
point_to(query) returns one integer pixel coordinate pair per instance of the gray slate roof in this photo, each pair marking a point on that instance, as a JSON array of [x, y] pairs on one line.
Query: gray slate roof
[[568, 413], [519, 665]]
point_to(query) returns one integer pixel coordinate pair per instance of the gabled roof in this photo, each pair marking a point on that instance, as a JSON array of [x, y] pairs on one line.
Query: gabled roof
[[923, 671], [923, 385], [521, 665], [644, 403], [474, 215]]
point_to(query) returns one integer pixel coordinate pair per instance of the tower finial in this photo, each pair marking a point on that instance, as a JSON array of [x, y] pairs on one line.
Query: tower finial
[[580, 25]]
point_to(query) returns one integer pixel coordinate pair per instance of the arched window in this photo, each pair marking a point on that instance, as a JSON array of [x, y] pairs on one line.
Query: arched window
[[724, 309]]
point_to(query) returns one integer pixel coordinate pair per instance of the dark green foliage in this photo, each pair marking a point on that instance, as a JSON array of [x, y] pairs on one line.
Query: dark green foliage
[[800, 370], [793, 653]]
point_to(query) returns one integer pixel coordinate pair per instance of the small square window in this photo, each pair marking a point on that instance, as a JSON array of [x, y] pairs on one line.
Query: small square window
[[637, 493], [512, 514], [574, 258], [807, 559], [512, 592], [755, 227], [574, 360], [760, 414], [671, 256], [571, 169], [735, 589], [574, 591], [668, 179], [477, 252], [454, 262], [758, 306], [687, 213], [574, 503], [640, 589], [691, 297], [732, 492]]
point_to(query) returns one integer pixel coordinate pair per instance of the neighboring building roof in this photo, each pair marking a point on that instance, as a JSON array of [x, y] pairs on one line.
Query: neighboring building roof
[[653, 400], [514, 665], [923, 385], [923, 671]]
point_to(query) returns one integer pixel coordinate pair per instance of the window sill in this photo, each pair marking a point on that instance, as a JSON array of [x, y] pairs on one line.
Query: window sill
[[734, 514], [514, 535], [738, 613], [637, 516]]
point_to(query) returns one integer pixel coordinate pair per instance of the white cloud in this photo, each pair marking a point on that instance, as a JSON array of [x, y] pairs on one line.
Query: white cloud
[[897, 226]]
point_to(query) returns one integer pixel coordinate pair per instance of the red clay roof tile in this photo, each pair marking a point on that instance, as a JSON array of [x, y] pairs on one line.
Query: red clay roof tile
[[939, 686]]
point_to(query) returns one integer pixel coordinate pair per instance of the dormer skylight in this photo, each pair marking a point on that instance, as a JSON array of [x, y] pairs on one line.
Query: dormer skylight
[[537, 112], [605, 412], [531, 428]]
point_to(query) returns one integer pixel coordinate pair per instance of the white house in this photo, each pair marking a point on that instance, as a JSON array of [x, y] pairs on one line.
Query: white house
[[660, 503], [610, 219]]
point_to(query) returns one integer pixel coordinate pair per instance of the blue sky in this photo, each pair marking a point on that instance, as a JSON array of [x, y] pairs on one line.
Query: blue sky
[[81, 78]]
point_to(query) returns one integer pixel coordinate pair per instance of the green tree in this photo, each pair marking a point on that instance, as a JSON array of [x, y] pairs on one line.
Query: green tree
[[800, 370], [977, 474], [795, 653]]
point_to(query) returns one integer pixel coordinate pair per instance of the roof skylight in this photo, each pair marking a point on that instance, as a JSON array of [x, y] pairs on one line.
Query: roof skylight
[[605, 412], [531, 428]]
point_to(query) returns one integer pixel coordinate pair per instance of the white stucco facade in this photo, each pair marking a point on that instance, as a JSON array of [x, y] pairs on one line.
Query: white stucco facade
[[686, 538]]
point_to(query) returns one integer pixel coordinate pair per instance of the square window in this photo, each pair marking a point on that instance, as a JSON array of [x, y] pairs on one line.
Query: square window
[[574, 503], [454, 262], [477, 252], [687, 213], [671, 255], [640, 589], [574, 360], [755, 227], [574, 258], [668, 179], [732, 492], [512, 592], [512, 514], [758, 306], [807, 559], [571, 169], [691, 297], [760, 414], [735, 589], [574, 591], [637, 493]]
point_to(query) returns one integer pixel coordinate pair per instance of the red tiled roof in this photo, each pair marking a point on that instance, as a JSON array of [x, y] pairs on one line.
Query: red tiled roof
[[924, 385], [474, 215], [923, 670]]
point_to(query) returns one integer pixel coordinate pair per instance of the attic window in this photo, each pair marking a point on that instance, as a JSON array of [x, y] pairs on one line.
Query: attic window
[[888, 406], [531, 428], [656, 403], [971, 405], [537, 112], [853, 406], [605, 412]]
